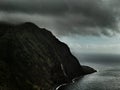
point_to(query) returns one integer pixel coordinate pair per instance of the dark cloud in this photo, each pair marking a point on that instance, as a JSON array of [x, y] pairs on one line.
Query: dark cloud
[[85, 17], [49, 7]]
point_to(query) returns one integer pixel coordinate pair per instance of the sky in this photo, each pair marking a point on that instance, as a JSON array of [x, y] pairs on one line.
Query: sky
[[87, 26]]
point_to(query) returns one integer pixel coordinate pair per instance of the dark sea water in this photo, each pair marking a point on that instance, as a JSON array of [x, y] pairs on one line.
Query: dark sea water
[[107, 76]]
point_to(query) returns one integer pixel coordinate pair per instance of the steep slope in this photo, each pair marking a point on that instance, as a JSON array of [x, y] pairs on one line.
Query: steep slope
[[31, 58]]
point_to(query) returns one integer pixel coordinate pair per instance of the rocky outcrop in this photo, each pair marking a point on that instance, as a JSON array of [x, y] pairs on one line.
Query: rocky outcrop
[[32, 58]]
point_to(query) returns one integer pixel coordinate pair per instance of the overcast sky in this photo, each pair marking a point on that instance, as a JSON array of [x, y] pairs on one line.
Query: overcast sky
[[83, 24]]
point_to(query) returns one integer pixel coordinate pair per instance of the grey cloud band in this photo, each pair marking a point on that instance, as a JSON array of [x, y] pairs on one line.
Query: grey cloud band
[[85, 17]]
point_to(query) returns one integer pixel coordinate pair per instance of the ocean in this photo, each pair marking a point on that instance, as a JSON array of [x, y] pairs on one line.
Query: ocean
[[107, 76]]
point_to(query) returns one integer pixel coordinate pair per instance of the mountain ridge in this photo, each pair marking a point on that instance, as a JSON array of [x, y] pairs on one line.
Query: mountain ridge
[[32, 58]]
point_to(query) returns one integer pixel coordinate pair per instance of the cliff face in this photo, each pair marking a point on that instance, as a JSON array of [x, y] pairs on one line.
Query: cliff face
[[31, 58]]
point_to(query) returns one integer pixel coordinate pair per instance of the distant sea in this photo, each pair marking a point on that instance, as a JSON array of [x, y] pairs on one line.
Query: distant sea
[[107, 76]]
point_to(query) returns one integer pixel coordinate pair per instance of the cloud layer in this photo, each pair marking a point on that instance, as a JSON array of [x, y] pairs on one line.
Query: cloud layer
[[84, 17]]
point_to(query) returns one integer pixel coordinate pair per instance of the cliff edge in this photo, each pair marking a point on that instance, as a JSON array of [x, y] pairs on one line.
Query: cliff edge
[[32, 58]]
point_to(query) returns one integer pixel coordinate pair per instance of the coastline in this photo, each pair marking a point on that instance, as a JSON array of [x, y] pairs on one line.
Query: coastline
[[62, 86], [88, 70]]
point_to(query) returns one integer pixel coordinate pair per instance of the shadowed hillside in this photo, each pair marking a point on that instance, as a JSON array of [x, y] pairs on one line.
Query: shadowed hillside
[[32, 58]]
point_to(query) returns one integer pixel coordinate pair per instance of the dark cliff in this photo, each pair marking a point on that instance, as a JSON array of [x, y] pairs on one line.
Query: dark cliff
[[31, 58]]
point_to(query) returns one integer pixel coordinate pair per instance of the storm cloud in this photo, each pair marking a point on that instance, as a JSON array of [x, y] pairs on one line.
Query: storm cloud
[[64, 17]]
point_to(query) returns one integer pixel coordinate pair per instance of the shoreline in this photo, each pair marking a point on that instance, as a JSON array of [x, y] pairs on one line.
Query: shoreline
[[74, 79], [65, 84]]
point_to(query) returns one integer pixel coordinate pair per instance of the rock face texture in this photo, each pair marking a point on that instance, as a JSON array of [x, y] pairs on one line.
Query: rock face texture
[[32, 58]]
